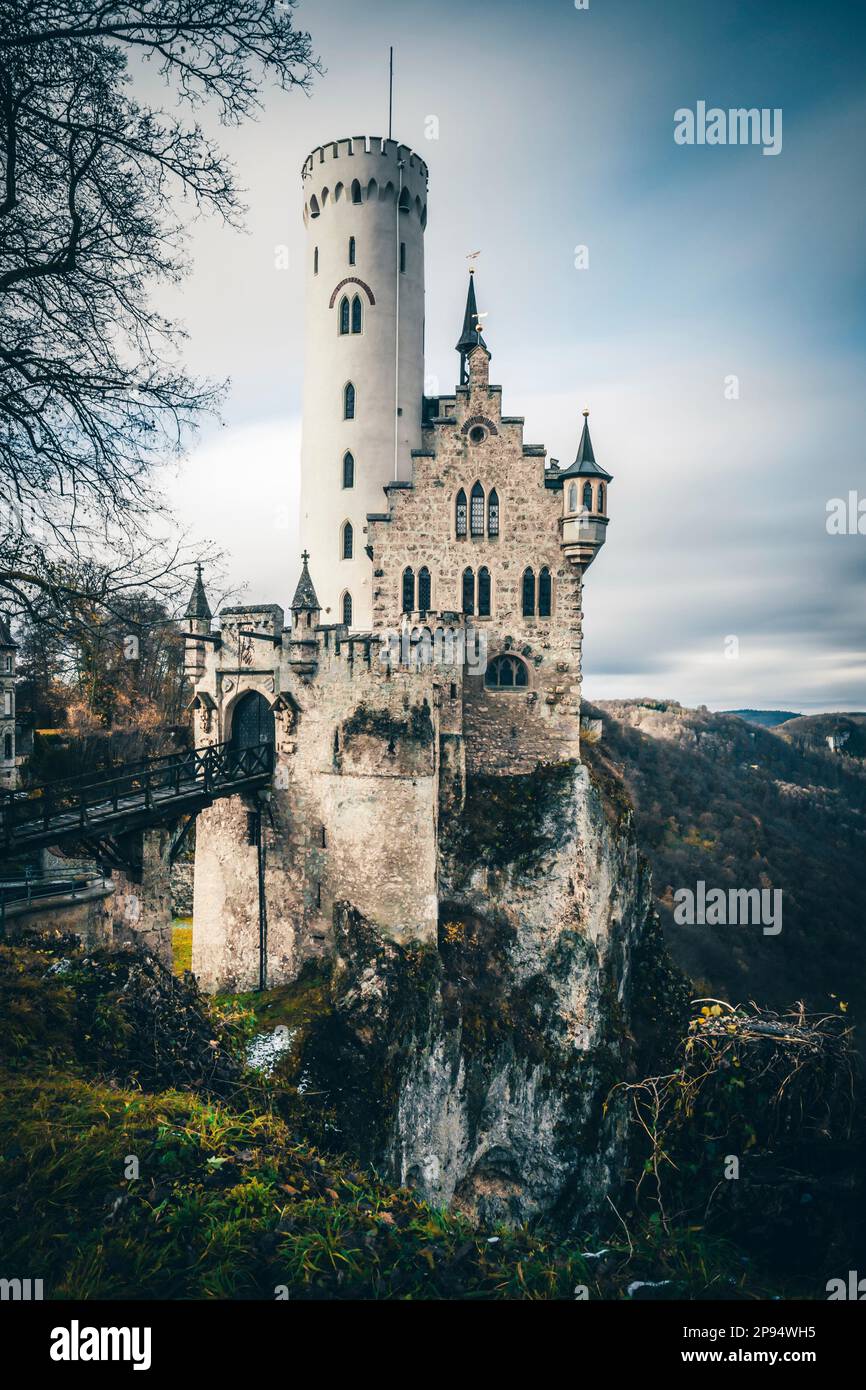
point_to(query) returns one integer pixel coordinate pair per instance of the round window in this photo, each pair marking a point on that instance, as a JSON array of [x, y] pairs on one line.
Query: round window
[[477, 434]]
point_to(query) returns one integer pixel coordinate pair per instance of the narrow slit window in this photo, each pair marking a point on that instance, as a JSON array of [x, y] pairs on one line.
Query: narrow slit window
[[347, 619], [408, 590], [460, 514], [348, 470], [587, 496], [476, 511], [528, 594], [468, 591], [545, 593], [348, 548], [349, 402], [484, 592], [351, 250]]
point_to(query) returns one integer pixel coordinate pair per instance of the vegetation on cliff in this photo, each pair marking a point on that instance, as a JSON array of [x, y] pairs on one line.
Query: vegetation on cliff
[[227, 1197]]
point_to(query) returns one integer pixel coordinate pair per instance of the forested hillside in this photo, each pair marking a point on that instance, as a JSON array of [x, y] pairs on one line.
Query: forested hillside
[[737, 806]]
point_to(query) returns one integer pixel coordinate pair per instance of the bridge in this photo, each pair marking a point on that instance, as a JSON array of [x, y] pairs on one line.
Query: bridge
[[95, 807]]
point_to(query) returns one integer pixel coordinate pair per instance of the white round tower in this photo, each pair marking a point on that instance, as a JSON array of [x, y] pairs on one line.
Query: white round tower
[[365, 210]]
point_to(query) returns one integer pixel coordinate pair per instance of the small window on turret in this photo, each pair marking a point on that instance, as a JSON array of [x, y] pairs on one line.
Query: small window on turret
[[348, 546], [315, 260], [356, 191], [344, 315], [348, 470], [403, 257], [601, 497], [356, 315], [587, 496], [349, 401], [351, 250], [572, 498]]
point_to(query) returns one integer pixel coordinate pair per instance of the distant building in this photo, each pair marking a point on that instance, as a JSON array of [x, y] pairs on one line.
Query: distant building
[[8, 751]]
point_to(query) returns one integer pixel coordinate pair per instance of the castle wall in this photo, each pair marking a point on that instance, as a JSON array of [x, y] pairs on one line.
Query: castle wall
[[351, 816]]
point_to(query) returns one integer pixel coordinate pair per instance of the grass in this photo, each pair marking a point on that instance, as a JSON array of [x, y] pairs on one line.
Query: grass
[[181, 944]]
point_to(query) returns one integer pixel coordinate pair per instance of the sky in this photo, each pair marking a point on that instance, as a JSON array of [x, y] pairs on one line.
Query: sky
[[719, 583]]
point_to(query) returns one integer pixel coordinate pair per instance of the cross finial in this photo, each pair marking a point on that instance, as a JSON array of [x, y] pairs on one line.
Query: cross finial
[[305, 555]]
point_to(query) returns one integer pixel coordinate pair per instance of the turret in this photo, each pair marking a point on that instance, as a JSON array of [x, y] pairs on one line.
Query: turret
[[471, 335], [584, 487], [365, 210], [306, 611], [197, 619]]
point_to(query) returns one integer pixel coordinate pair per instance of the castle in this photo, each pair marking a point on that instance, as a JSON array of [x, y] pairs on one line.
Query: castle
[[435, 632]]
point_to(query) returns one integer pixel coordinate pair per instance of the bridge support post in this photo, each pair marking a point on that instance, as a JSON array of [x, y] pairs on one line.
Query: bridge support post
[[141, 905]]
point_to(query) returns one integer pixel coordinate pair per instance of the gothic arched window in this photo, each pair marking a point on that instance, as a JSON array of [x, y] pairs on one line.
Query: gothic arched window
[[347, 609], [506, 673], [347, 549], [587, 496], [545, 593], [356, 315], [408, 590], [484, 592], [528, 594], [348, 470], [572, 497], [493, 513], [349, 401], [476, 511], [356, 191], [7, 746], [351, 250], [468, 591], [460, 514], [344, 315], [424, 590], [601, 497]]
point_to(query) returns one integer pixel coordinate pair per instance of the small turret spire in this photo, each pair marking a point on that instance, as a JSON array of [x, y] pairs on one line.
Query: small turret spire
[[305, 599], [471, 335], [584, 448], [198, 606]]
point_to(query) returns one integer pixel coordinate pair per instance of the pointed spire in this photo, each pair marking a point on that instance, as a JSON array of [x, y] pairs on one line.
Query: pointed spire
[[585, 462], [584, 448], [471, 335], [305, 595], [198, 604]]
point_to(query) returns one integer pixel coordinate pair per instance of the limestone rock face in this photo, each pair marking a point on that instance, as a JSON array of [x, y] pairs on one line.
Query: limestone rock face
[[479, 1070]]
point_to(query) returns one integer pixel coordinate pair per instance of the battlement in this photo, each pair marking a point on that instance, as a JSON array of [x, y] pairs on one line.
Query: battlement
[[364, 169], [363, 144]]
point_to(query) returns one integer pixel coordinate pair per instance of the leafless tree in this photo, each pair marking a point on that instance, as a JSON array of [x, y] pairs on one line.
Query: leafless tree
[[96, 189]]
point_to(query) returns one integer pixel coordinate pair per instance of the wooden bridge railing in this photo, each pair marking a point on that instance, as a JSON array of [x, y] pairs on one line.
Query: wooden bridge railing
[[83, 803]]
